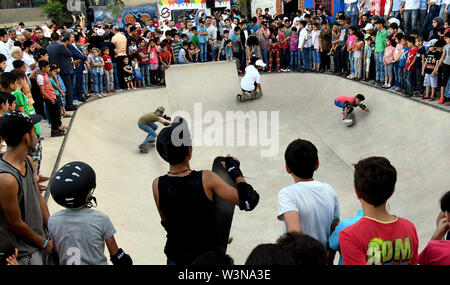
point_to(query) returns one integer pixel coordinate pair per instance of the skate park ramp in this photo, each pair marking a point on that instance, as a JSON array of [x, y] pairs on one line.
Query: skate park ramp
[[413, 136]]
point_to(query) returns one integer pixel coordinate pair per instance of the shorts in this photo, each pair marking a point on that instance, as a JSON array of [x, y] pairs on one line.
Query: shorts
[[389, 70], [251, 90], [367, 68], [430, 80]]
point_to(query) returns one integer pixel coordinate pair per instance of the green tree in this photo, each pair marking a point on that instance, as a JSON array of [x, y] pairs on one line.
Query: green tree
[[54, 10]]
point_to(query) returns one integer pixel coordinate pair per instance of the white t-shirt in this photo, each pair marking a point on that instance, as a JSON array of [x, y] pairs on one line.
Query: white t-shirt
[[29, 60], [303, 36], [315, 202], [250, 78], [412, 4]]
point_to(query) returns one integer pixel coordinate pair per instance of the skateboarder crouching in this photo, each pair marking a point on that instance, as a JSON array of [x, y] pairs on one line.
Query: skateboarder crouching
[[347, 103], [147, 123], [184, 197], [252, 78]]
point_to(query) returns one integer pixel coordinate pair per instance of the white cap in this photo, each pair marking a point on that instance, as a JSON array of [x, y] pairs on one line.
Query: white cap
[[260, 63], [100, 32], [431, 43], [369, 26], [394, 20]]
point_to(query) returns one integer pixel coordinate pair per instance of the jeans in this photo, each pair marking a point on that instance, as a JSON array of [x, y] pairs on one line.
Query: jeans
[[352, 63], [411, 17], [353, 11], [109, 74], [409, 76], [398, 79], [293, 60], [422, 16], [98, 82], [145, 72], [86, 83], [284, 58], [419, 80], [77, 79], [316, 56], [306, 56], [442, 10], [379, 65], [215, 55], [265, 56], [342, 59], [54, 114], [402, 76], [433, 13], [150, 130], [203, 52], [116, 77]]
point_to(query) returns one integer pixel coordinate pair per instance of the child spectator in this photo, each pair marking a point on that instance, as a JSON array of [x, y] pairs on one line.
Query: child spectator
[[284, 48], [132, 49], [11, 103], [97, 70], [351, 39], [60, 95], [420, 62], [380, 46], [397, 55], [87, 67], [193, 52], [176, 47], [109, 72], [303, 48], [303, 249], [335, 34], [195, 38], [153, 59], [378, 238], [358, 50], [308, 206], [268, 255], [128, 73], [79, 232], [183, 57], [138, 79], [315, 49], [437, 251], [209, 48], [402, 64], [229, 50], [367, 57], [50, 99], [444, 64], [410, 67], [236, 39], [165, 57], [218, 49], [274, 54], [388, 59], [202, 39], [144, 62], [334, 237], [293, 49], [430, 79]]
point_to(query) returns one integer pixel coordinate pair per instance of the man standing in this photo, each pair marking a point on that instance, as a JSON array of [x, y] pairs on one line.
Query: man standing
[[11, 38], [211, 27], [3, 40], [24, 213], [41, 40], [120, 42], [410, 10], [77, 74]]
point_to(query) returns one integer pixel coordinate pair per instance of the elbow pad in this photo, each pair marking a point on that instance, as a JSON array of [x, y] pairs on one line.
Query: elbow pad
[[121, 258], [248, 197], [362, 106]]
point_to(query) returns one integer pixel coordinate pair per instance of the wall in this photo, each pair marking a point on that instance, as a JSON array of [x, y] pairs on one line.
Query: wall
[[131, 14], [271, 4]]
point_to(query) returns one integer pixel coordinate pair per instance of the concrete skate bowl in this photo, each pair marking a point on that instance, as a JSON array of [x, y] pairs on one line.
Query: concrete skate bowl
[[413, 136]]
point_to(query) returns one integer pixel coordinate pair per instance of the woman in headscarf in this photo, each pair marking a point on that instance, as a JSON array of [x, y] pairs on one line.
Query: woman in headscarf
[[437, 25]]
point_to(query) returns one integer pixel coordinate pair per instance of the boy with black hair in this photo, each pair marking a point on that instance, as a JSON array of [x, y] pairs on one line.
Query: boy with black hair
[[410, 67], [184, 197], [237, 47], [268, 254], [429, 70], [378, 238], [11, 103], [182, 56], [147, 123], [348, 103], [444, 67], [437, 251], [303, 249], [213, 258], [308, 206], [420, 61]]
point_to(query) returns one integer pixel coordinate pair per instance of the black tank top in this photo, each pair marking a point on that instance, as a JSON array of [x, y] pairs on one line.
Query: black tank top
[[191, 230]]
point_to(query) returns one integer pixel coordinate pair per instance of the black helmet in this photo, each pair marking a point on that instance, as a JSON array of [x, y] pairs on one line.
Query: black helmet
[[73, 185]]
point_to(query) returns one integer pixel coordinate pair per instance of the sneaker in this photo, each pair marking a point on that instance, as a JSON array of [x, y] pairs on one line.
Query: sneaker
[[77, 103], [57, 133], [441, 100], [347, 121], [288, 70], [388, 86]]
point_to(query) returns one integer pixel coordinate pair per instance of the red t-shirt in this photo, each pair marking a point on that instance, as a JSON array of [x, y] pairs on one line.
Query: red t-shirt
[[146, 58], [108, 62], [412, 52], [437, 252], [344, 98], [371, 242], [281, 38], [273, 49], [165, 56]]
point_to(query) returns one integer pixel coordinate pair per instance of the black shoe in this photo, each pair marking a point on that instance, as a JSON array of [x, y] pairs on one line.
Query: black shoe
[[71, 108], [57, 133], [82, 99]]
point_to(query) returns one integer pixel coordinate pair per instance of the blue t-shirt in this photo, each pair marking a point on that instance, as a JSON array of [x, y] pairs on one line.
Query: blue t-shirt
[[423, 4], [334, 237], [235, 39], [202, 38], [253, 28], [404, 57]]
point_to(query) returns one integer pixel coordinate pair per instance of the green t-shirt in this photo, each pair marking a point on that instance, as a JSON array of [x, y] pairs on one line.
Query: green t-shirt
[[380, 42], [22, 100], [149, 119], [195, 40]]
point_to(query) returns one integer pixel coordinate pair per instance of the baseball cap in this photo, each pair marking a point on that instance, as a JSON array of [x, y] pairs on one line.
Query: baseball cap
[[173, 142], [394, 20], [17, 124], [260, 63], [100, 32], [369, 26], [431, 43]]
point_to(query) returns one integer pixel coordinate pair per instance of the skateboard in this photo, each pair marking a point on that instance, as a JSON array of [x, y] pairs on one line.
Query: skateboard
[[147, 147], [223, 210], [248, 96], [352, 120]]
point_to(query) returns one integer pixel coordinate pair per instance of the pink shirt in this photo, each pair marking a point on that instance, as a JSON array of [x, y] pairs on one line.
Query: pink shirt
[[343, 98], [437, 252], [153, 55], [42, 80], [351, 40]]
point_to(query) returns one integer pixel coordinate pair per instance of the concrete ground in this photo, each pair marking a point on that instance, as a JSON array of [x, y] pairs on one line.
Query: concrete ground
[[104, 134]]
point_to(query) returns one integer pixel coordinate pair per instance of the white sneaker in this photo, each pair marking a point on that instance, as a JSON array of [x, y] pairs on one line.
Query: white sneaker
[[76, 102], [388, 86], [347, 121]]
